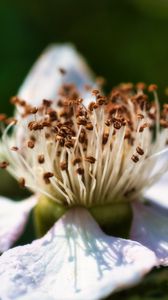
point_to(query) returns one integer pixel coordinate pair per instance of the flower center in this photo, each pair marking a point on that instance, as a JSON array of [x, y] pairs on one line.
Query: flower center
[[88, 156]]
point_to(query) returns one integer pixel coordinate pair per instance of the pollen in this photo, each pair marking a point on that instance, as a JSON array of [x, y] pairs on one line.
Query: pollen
[[88, 155]]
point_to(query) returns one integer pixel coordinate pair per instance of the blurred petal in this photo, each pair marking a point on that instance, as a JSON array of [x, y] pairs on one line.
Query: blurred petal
[[150, 228], [158, 193], [74, 260], [45, 78], [13, 218]]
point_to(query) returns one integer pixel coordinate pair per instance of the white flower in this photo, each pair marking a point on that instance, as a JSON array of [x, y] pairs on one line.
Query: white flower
[[91, 157]]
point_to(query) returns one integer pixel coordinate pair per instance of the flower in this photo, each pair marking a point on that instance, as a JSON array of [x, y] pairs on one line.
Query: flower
[[88, 158]]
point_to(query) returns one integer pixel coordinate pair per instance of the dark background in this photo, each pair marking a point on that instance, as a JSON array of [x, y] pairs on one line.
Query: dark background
[[121, 40]]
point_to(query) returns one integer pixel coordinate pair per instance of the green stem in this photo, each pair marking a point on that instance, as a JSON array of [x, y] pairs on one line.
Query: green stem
[[115, 219]]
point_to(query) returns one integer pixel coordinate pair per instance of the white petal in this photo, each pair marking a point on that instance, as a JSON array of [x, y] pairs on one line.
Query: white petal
[[74, 260], [158, 193], [13, 218], [45, 78], [150, 228]]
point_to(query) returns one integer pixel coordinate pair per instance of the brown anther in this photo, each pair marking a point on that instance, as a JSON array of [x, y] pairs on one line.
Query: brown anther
[[145, 125], [47, 135], [80, 171], [14, 148], [100, 81], [63, 166], [47, 176], [33, 110], [117, 125], [90, 159], [77, 160], [82, 137], [89, 126], [21, 182], [141, 86], [47, 103], [108, 122], [152, 87], [62, 71], [95, 92], [140, 116], [53, 115], [91, 106], [69, 144], [82, 120], [22, 103], [135, 158], [2, 117], [41, 158], [140, 151], [33, 125], [10, 121], [95, 106], [14, 100], [4, 164], [105, 138], [164, 123], [115, 94], [45, 124], [126, 87], [140, 98], [101, 100], [30, 144]]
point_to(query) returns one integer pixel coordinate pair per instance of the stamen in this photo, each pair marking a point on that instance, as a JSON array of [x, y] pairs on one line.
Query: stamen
[[88, 150]]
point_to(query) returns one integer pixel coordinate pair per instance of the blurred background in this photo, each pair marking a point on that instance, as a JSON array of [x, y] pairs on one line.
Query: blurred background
[[122, 40]]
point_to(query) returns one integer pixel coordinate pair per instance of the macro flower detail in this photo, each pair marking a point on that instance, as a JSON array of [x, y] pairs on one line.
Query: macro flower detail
[[89, 159]]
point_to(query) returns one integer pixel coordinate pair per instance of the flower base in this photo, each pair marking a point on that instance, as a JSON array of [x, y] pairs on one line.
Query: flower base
[[114, 219]]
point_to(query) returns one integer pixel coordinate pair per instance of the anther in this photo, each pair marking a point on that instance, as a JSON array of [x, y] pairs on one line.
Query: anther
[[90, 159], [80, 171], [77, 160], [89, 126], [47, 176], [47, 103], [105, 138], [14, 148], [69, 144], [82, 120], [117, 125], [21, 182], [41, 158], [63, 166], [4, 164], [152, 87], [2, 117], [145, 125], [33, 110], [139, 150], [141, 86], [62, 71], [31, 144], [135, 158]]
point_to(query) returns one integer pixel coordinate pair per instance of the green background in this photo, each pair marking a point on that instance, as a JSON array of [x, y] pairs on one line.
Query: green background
[[121, 40]]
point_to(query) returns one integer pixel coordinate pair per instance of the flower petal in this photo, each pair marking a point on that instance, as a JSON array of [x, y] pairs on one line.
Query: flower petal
[[45, 78], [150, 228], [13, 217], [158, 193], [74, 260]]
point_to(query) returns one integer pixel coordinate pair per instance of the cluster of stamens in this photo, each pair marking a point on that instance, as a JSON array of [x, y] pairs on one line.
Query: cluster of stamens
[[93, 155]]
